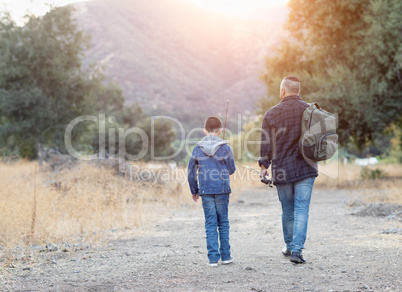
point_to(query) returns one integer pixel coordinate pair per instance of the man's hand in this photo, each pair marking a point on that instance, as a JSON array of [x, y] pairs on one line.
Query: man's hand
[[264, 171], [195, 197]]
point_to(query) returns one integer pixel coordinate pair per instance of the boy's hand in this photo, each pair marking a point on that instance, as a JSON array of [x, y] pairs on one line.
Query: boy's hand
[[195, 198]]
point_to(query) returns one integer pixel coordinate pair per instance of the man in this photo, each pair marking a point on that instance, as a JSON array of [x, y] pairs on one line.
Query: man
[[292, 175]]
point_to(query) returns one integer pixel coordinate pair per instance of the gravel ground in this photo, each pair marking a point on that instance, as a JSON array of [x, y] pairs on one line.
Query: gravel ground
[[343, 253]]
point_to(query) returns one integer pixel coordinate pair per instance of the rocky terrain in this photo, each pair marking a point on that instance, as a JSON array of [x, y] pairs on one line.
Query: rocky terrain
[[344, 252]]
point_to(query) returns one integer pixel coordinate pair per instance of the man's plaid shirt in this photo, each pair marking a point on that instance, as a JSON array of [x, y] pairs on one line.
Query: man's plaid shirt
[[281, 130]]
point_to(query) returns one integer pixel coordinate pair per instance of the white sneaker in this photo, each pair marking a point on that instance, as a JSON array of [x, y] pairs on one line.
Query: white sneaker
[[286, 252], [229, 261], [213, 264]]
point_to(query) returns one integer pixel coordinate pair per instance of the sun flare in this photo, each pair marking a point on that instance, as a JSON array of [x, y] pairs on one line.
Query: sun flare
[[19, 8], [238, 7]]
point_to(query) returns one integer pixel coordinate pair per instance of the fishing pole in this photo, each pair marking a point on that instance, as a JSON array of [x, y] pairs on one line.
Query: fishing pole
[[266, 179], [226, 117]]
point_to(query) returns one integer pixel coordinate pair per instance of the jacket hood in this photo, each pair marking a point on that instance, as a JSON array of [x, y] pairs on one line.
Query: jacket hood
[[211, 144]]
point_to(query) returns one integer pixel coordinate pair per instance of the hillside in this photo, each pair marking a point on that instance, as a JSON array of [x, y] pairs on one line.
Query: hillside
[[177, 58]]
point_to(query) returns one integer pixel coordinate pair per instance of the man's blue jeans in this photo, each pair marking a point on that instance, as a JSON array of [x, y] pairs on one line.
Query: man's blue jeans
[[295, 199], [216, 216]]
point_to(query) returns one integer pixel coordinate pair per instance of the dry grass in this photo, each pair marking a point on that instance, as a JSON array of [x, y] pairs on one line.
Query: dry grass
[[76, 204], [381, 190], [81, 203], [244, 178], [339, 176]]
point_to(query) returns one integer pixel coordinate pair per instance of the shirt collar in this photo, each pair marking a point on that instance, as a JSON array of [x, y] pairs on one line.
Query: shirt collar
[[290, 97]]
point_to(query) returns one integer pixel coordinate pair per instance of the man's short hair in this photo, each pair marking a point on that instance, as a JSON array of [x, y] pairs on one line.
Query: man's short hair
[[213, 124], [291, 84]]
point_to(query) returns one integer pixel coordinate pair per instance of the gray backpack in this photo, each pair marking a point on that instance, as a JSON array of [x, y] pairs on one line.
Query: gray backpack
[[318, 140]]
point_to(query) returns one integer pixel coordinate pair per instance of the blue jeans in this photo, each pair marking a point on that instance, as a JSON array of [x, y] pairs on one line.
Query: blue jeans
[[295, 199], [216, 217]]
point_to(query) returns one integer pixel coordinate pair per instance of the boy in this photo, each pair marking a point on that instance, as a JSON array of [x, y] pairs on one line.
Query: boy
[[213, 159]]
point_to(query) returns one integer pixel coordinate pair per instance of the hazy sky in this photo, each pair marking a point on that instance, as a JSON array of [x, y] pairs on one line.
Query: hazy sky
[[19, 8]]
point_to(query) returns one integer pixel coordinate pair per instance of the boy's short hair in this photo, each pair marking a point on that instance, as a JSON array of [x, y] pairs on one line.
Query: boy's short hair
[[213, 124]]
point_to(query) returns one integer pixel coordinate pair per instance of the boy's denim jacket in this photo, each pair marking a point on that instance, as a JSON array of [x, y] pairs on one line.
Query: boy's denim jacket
[[213, 159]]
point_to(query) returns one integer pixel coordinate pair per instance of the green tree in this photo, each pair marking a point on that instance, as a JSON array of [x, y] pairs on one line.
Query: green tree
[[161, 134], [43, 86], [348, 55], [246, 144]]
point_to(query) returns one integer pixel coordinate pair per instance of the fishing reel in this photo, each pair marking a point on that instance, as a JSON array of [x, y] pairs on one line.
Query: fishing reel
[[267, 180]]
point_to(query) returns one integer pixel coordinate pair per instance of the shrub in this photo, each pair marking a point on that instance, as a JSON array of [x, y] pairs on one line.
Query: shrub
[[368, 173]]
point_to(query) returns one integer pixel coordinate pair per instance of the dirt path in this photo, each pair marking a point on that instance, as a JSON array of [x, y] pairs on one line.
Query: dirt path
[[343, 253]]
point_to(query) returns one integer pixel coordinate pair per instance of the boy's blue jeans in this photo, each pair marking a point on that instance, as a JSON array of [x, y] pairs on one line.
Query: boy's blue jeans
[[216, 217], [295, 199]]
